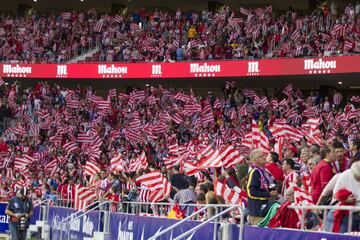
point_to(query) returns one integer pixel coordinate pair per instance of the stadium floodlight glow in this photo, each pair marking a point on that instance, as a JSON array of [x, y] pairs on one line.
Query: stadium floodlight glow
[[340, 83], [35, 0], [147, 85]]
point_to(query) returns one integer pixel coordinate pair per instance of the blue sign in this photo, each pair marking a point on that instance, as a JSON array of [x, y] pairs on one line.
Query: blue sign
[[257, 233], [131, 227], [77, 229], [4, 219]]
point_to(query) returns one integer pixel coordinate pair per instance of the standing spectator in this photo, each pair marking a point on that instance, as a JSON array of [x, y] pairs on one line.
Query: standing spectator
[[355, 148], [341, 163], [258, 188], [272, 165], [187, 196], [323, 172], [178, 181], [337, 99], [290, 180]]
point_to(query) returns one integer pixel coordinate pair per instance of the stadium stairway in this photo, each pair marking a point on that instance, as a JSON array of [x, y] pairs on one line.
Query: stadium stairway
[[82, 57]]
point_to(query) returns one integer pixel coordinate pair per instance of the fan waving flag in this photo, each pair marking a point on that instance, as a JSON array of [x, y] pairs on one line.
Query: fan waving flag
[[159, 186], [91, 168], [83, 198], [229, 194]]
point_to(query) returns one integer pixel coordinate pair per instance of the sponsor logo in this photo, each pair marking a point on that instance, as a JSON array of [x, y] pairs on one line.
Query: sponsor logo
[[16, 70], [126, 235], [253, 68], [204, 70], [4, 219], [111, 71], [61, 71], [156, 71], [319, 66], [88, 226]]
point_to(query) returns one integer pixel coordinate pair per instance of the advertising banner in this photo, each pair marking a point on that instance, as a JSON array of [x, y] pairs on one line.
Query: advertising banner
[[4, 219], [231, 68], [131, 227], [77, 229]]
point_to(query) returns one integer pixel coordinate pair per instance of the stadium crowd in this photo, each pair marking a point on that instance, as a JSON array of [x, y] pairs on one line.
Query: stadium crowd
[[161, 36], [268, 152]]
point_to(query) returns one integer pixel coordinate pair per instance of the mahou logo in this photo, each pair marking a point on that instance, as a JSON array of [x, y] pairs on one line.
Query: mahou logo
[[319, 66], [156, 70], [204, 70], [111, 71], [61, 71], [253, 68], [16, 70]]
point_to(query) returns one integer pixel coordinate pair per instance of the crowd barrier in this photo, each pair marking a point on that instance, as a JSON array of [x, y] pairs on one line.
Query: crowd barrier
[[139, 222]]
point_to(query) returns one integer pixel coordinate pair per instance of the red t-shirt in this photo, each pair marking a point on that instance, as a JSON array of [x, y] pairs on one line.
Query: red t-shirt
[[115, 200], [321, 175], [275, 171]]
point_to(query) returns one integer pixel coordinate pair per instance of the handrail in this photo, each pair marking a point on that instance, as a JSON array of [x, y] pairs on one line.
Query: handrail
[[323, 207], [77, 217], [183, 204], [213, 218], [178, 223], [86, 212], [71, 215], [351, 209]]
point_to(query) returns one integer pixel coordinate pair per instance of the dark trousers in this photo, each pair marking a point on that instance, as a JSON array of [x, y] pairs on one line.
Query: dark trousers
[[15, 233]]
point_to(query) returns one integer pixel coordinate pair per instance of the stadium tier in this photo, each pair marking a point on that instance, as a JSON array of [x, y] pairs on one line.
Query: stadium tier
[[160, 125], [146, 36]]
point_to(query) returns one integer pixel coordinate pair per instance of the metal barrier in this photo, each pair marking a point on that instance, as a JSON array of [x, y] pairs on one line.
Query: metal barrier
[[219, 209], [215, 223], [97, 206], [351, 209]]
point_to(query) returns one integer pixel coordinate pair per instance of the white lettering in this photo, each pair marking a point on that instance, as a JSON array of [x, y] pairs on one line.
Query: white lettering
[[104, 69], [4, 219], [8, 68], [253, 67], [88, 226], [156, 70], [204, 68], [310, 64], [61, 70]]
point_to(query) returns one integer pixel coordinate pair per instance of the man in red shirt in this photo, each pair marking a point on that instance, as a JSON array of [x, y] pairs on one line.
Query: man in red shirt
[[3, 146], [323, 172], [272, 161]]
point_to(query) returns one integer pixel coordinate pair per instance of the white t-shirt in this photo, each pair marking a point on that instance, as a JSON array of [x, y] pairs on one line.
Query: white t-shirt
[[346, 180]]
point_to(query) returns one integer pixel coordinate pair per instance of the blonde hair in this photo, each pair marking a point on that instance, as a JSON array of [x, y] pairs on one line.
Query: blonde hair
[[254, 154]]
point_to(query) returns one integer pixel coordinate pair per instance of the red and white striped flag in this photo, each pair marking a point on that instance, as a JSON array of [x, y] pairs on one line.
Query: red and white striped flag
[[229, 194], [116, 163], [91, 168], [99, 25], [139, 163], [83, 197], [66, 15], [2, 32], [1, 82], [118, 18], [134, 27], [159, 186], [302, 198]]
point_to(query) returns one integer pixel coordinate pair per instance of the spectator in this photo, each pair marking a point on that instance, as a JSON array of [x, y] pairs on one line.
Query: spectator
[[341, 163], [290, 179], [323, 172], [187, 196], [258, 188], [272, 165], [178, 181], [355, 148], [348, 181]]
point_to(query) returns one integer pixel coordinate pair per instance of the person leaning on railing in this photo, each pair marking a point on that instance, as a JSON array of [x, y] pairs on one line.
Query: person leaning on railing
[[258, 189]]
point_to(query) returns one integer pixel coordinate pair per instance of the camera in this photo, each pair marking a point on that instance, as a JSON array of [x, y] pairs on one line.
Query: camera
[[22, 224]]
